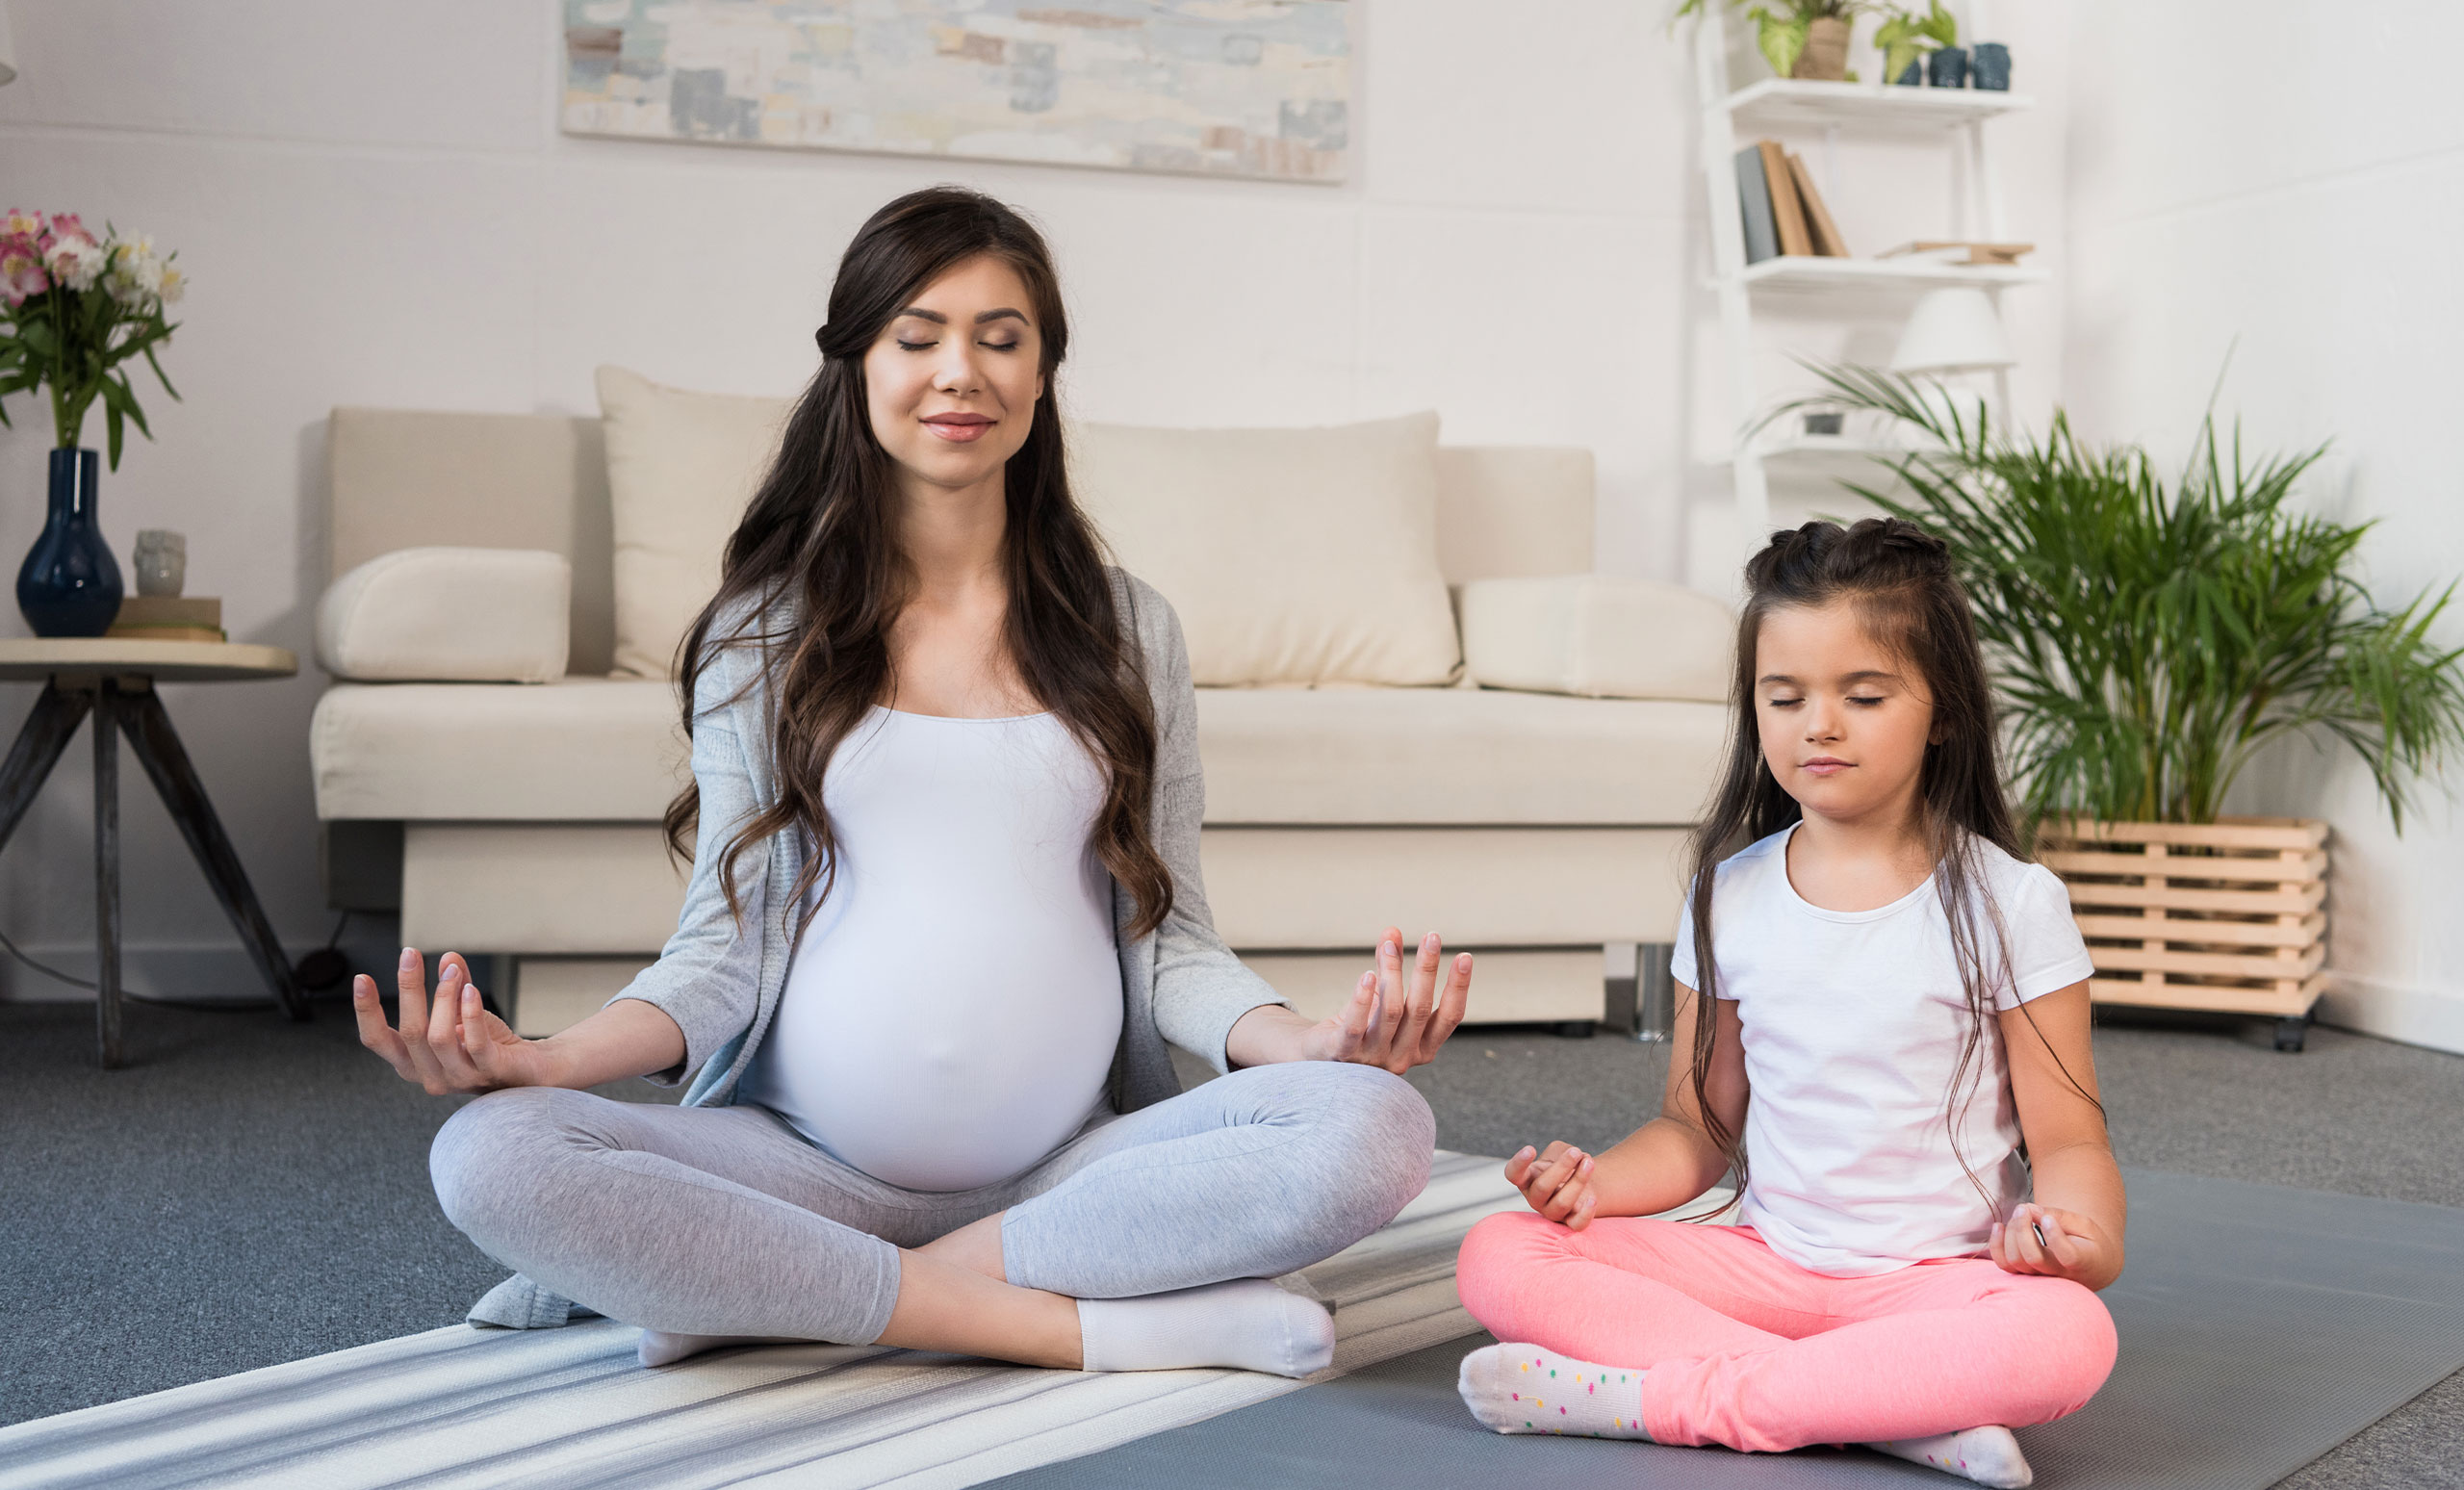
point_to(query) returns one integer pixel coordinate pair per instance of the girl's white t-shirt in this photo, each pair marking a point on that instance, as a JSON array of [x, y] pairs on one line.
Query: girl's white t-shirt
[[1853, 1025]]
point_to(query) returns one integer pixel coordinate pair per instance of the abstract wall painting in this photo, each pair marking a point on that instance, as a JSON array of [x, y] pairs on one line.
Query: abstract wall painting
[[1239, 88]]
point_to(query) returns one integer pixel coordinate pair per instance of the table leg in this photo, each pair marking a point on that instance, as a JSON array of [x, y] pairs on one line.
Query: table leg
[[40, 745], [107, 872], [157, 747]]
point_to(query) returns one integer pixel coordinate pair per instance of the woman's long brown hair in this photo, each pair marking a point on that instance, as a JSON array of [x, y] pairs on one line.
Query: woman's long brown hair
[[1898, 578], [820, 535]]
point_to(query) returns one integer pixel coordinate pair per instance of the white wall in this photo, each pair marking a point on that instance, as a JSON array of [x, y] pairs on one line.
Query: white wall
[[374, 207], [2282, 183]]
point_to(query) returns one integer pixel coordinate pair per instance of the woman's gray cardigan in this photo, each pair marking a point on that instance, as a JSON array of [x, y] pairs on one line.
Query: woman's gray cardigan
[[720, 978]]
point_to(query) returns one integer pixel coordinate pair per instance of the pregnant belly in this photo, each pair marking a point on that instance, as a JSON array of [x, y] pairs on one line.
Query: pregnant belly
[[954, 1066]]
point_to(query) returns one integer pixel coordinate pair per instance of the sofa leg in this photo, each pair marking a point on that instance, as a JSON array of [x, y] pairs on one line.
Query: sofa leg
[[1575, 1029]]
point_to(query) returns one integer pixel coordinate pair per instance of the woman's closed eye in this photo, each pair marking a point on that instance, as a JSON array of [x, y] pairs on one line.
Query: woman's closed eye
[[903, 344], [1869, 700]]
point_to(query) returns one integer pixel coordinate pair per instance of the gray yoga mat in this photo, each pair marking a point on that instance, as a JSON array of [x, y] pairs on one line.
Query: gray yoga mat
[[2260, 1327]]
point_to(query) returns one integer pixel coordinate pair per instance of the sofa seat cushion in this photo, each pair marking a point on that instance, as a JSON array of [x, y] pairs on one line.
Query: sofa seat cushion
[[576, 750], [1454, 756], [609, 750]]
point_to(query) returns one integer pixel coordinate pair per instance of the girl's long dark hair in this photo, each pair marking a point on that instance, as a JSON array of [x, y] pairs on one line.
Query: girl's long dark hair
[[821, 533], [1898, 577]]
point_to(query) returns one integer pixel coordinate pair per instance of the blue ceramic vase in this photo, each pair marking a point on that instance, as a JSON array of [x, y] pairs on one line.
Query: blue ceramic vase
[[69, 585], [1992, 68]]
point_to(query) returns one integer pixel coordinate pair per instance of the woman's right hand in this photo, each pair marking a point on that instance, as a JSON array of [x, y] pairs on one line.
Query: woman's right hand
[[453, 1044], [1556, 1183]]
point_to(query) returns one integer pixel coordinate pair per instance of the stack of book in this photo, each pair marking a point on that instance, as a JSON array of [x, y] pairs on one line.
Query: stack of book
[[169, 618], [1785, 216]]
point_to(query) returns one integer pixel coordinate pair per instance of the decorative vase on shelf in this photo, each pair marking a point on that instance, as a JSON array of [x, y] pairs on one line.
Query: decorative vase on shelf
[[1947, 68], [69, 585], [1993, 71]]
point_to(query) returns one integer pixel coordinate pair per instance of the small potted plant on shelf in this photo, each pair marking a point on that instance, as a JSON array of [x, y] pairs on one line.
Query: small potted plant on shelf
[[2148, 640], [1800, 38], [1906, 38]]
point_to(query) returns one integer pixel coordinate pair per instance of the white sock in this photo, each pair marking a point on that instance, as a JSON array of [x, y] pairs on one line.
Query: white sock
[[658, 1348], [1989, 1455], [1524, 1389], [1249, 1322]]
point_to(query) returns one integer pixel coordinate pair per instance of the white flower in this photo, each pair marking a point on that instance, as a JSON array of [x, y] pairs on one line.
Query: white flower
[[76, 261], [174, 285], [136, 275]]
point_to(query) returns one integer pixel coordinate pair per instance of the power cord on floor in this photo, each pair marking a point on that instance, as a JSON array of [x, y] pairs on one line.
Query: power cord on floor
[[318, 971], [53, 973]]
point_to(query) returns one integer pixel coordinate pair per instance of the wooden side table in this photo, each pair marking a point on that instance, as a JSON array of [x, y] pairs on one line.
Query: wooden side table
[[114, 681]]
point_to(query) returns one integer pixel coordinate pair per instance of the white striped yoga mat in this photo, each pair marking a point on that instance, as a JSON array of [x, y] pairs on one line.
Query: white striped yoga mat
[[570, 1408]]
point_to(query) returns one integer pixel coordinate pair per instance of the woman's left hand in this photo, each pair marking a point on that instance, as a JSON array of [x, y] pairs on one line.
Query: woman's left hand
[[1395, 1019], [2074, 1246]]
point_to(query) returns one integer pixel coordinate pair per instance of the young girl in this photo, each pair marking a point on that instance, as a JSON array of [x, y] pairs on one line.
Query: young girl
[[1898, 1042]]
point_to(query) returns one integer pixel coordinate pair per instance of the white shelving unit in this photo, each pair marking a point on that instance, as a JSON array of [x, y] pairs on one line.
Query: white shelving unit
[[1817, 286]]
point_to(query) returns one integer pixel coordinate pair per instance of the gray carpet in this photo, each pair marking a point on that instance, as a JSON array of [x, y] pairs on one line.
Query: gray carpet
[[251, 1192], [2260, 1325]]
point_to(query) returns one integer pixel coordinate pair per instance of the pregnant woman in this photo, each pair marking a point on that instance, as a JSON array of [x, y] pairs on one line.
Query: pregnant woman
[[944, 914]]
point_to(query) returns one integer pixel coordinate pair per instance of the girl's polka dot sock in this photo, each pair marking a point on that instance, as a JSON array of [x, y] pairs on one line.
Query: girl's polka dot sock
[[1988, 1456], [1524, 1389]]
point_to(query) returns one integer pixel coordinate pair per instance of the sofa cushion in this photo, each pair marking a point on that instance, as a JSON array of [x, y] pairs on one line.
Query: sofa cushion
[[1597, 635], [1452, 756], [1292, 555], [456, 615], [578, 749], [609, 750], [680, 468]]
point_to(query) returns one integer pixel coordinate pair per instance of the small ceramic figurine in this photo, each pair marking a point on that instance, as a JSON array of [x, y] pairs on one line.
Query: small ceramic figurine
[[162, 561]]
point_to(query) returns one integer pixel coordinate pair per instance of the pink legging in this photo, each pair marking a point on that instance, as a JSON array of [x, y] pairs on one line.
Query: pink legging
[[1745, 1348]]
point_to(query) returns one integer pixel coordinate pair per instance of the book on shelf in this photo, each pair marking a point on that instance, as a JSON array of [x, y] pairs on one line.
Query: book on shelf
[[1827, 240], [1784, 214], [1960, 251], [1753, 198], [169, 618], [1788, 208]]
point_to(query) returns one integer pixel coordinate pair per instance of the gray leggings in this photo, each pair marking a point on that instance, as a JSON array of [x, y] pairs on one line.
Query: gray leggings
[[724, 1221]]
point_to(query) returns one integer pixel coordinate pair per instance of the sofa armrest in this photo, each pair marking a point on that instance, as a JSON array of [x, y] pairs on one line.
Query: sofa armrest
[[449, 615], [1597, 636]]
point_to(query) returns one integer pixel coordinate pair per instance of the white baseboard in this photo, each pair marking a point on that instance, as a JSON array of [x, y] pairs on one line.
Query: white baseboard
[[2412, 1014]]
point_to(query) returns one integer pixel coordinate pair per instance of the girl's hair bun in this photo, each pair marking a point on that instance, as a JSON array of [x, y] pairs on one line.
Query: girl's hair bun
[[1811, 563]]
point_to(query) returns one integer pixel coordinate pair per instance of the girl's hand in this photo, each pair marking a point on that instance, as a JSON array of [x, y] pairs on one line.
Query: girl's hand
[[1557, 1183], [455, 1044], [1390, 1021], [2074, 1246]]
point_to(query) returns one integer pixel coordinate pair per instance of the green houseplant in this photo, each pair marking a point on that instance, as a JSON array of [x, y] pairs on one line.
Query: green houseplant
[[2148, 640], [1904, 37]]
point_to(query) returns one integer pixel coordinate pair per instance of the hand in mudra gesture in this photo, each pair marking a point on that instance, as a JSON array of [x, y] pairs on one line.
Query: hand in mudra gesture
[[452, 1043], [1397, 1020]]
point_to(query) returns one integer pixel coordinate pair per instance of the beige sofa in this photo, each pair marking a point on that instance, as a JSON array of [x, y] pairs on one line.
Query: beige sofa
[[516, 816]]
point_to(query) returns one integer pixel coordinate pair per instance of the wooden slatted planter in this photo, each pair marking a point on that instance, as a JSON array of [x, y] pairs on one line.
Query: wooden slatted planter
[[2226, 916]]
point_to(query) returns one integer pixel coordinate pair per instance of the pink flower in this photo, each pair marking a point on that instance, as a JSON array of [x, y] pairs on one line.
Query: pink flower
[[21, 272], [64, 225], [21, 224], [76, 261]]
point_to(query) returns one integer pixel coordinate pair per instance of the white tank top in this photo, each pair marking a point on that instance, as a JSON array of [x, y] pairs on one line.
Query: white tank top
[[951, 1013]]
